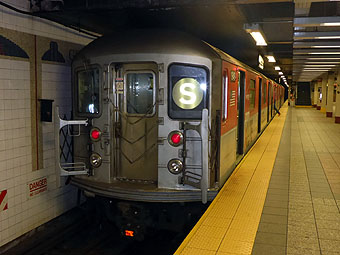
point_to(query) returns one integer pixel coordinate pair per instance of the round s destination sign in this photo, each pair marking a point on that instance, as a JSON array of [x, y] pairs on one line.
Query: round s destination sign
[[188, 93]]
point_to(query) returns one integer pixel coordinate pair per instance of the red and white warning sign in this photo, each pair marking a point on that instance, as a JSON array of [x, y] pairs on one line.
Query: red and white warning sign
[[3, 200], [37, 186]]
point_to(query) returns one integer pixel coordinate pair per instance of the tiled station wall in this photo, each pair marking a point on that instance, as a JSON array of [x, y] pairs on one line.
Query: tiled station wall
[[21, 79]]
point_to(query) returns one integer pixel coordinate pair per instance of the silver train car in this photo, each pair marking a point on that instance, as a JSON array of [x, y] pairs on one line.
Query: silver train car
[[162, 116]]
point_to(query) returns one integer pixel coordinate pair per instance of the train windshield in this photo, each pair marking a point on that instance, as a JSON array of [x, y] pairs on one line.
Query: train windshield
[[140, 92], [88, 91], [188, 91]]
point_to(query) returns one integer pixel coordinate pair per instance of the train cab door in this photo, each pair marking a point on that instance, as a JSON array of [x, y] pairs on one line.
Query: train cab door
[[240, 112], [260, 106], [136, 122], [268, 101]]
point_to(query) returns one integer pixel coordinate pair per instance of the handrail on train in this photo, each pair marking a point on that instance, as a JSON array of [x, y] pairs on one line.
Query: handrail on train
[[204, 131], [66, 169]]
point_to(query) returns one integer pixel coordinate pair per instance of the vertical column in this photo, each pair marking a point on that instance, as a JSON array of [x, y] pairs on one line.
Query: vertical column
[[337, 104], [330, 92], [324, 92], [315, 94], [319, 90]]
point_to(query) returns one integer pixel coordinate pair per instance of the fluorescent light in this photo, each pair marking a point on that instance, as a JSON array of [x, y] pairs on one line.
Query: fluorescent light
[[316, 69], [324, 53], [280, 73], [277, 68], [259, 39], [319, 65], [271, 59], [325, 46], [327, 37], [330, 24], [321, 70], [323, 58], [322, 62]]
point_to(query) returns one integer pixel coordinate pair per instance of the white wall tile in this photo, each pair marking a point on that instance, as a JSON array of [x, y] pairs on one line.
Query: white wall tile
[[25, 214]]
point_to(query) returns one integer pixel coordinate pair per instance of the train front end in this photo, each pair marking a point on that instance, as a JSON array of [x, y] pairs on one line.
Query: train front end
[[141, 124]]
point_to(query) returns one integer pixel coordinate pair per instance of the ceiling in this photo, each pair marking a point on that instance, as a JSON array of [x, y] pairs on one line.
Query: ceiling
[[316, 48], [291, 28]]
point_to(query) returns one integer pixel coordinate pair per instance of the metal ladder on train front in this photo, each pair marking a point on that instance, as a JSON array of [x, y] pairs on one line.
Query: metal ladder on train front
[[72, 168], [193, 179]]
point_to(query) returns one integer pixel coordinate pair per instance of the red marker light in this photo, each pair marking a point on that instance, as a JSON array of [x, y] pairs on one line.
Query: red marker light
[[129, 233], [95, 134], [176, 138]]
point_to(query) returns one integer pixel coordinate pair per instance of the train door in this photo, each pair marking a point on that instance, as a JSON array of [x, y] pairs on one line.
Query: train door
[[240, 111], [274, 100], [271, 99], [260, 106], [268, 101], [136, 126]]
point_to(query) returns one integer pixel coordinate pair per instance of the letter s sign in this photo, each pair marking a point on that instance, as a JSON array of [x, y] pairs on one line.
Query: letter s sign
[[187, 93]]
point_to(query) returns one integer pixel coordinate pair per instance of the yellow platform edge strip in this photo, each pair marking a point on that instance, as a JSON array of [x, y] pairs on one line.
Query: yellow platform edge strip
[[185, 242]]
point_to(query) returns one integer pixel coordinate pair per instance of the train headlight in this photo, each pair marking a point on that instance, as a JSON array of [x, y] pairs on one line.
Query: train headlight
[[175, 166], [95, 134], [175, 138], [95, 160]]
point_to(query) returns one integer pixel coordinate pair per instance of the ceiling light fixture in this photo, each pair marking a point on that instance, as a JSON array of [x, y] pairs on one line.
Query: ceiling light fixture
[[319, 65], [322, 62], [271, 58], [323, 58], [325, 46], [316, 70], [277, 68], [259, 39], [327, 37], [330, 24], [255, 31], [324, 53], [280, 73]]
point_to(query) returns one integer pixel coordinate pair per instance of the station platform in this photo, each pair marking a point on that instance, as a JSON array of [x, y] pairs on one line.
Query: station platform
[[284, 196]]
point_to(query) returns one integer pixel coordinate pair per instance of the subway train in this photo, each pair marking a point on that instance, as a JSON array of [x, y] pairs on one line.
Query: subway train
[[161, 117]]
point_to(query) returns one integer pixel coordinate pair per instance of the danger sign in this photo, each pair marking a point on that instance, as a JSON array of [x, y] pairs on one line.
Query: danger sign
[[3, 200], [37, 186]]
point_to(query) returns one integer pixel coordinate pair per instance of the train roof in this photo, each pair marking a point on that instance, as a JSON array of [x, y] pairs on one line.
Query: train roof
[[148, 41], [155, 41]]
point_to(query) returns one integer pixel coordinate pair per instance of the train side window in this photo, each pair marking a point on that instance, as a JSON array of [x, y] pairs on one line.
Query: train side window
[[140, 92], [88, 91], [225, 97], [252, 94], [188, 91]]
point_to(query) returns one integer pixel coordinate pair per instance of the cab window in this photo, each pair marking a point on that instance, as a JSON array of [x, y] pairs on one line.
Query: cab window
[[140, 92], [88, 91]]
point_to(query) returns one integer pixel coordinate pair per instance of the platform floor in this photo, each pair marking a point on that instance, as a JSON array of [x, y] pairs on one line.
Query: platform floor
[[283, 198]]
